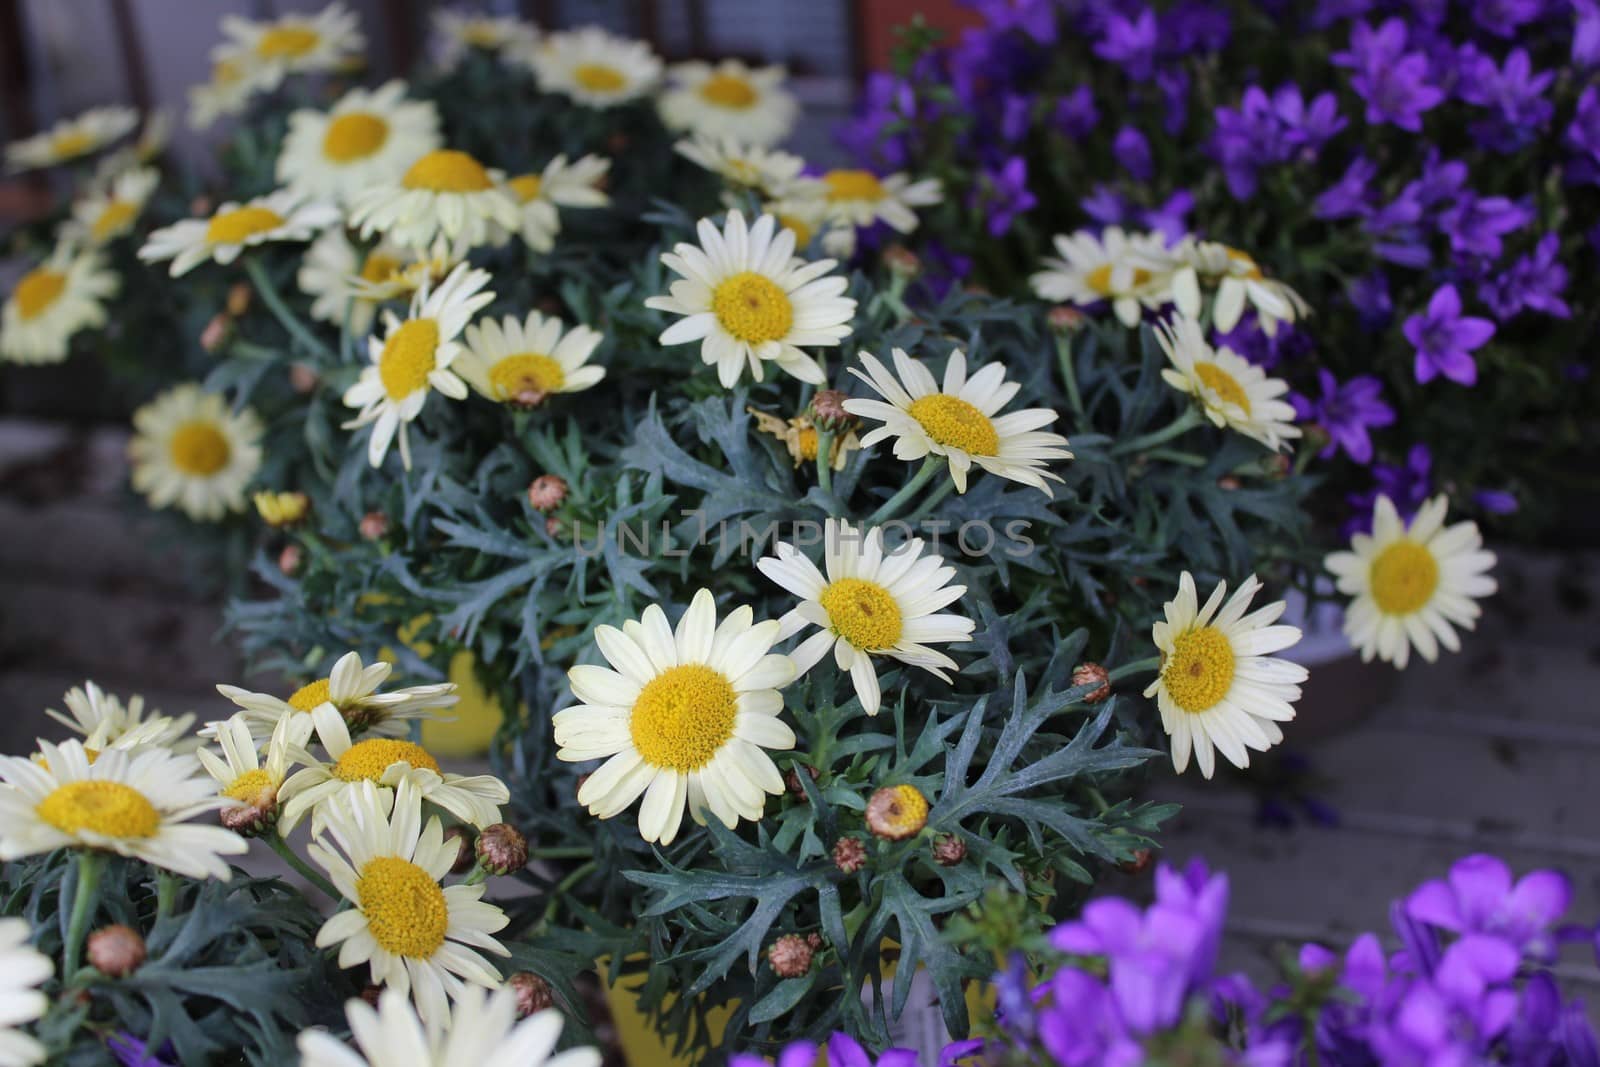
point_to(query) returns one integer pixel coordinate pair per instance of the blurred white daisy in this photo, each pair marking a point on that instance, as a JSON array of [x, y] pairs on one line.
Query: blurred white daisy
[[23, 969], [1412, 583], [103, 215], [233, 84], [145, 150], [749, 301], [445, 193], [71, 138], [523, 362], [54, 302], [241, 775], [102, 719], [1115, 266], [413, 360], [190, 451], [769, 170], [397, 272], [233, 227], [561, 183], [1238, 281], [729, 99], [684, 718], [294, 43], [861, 198], [350, 689], [596, 68], [1219, 685], [1232, 391], [456, 33], [339, 278], [370, 137]]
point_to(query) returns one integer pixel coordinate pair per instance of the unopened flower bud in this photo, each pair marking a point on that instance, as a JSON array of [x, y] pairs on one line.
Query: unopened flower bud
[[533, 993], [291, 559], [303, 379], [949, 850], [374, 524], [1096, 675], [282, 509], [902, 261], [827, 411], [116, 951], [790, 956], [1228, 483], [791, 778], [200, 205], [239, 296], [849, 854], [215, 335], [552, 526], [1281, 466], [465, 852], [1136, 863], [502, 849], [815, 941], [897, 812], [547, 492], [1065, 319]]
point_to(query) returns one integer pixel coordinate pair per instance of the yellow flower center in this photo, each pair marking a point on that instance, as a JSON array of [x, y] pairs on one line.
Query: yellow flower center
[[1199, 671], [116, 217], [232, 227], [752, 308], [408, 358], [110, 809], [1099, 279], [863, 613], [71, 143], [853, 185], [198, 448], [379, 267], [405, 909], [806, 442], [599, 77], [287, 42], [1403, 578], [802, 232], [527, 186], [37, 291], [481, 34], [354, 136], [255, 788], [310, 696], [527, 373], [954, 423], [683, 717], [226, 72], [904, 814], [1225, 385], [367, 760], [728, 90], [445, 170]]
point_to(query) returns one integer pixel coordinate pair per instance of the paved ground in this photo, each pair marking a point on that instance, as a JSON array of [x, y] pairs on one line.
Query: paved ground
[[1488, 750]]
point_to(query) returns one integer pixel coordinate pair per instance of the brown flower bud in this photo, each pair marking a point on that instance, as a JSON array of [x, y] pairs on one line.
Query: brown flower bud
[[116, 951], [291, 559], [552, 526], [215, 335], [1096, 675], [827, 411], [303, 379], [533, 993], [1064, 319], [547, 492], [466, 853], [374, 524], [897, 812], [502, 849], [200, 205], [791, 778], [949, 850], [239, 297], [790, 956], [258, 815], [1228, 483], [1281, 466], [902, 261], [1137, 863], [849, 854], [815, 941]]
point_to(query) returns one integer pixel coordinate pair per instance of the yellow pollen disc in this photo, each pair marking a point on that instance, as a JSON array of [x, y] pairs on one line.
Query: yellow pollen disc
[[802, 232], [752, 308], [107, 808], [1243, 259], [405, 909], [310, 696], [379, 267], [286, 42], [37, 291], [954, 423], [863, 613], [73, 143], [1223, 384], [1404, 577], [114, 219], [908, 812], [198, 448], [527, 186], [447, 171], [231, 227], [853, 185], [1099, 279], [599, 77], [528, 372], [1199, 671], [807, 441], [367, 760], [727, 90], [255, 788], [408, 358], [354, 136], [683, 717]]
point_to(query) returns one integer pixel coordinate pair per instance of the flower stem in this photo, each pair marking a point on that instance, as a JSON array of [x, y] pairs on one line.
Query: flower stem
[[1181, 425], [301, 867], [91, 865], [1069, 373], [1138, 666], [576, 852], [579, 874], [825, 460], [269, 296], [166, 890], [892, 506], [932, 500]]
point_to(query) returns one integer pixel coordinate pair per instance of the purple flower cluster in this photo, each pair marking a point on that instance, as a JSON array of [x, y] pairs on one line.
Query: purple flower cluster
[[843, 1051]]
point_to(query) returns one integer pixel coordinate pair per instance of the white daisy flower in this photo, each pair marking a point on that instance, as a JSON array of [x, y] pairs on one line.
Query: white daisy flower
[[413, 359], [102, 719], [23, 969], [521, 363], [370, 137], [71, 138], [872, 603], [560, 184], [242, 776], [482, 1030], [445, 193], [750, 302], [457, 33], [135, 804], [52, 303], [807, 216], [958, 421], [861, 198], [729, 99], [596, 68], [294, 43], [340, 279], [234, 83], [417, 936], [1238, 281], [1232, 391], [385, 762], [1119, 267], [1412, 584], [279, 216], [352, 691], [152, 141], [105, 214], [748, 166], [1219, 684], [684, 719], [398, 272], [190, 450]]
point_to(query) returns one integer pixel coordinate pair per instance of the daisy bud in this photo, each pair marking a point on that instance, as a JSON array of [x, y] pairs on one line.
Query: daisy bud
[[849, 854], [949, 850], [215, 335], [547, 492], [815, 941], [200, 205], [256, 817], [303, 379], [502, 849], [239, 298], [552, 526], [533, 993], [1279, 466], [116, 951], [791, 778], [897, 812], [1064, 319], [1136, 863], [465, 851], [827, 411], [1096, 675], [1228, 483], [790, 956], [291, 559], [374, 524], [282, 509], [901, 261]]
